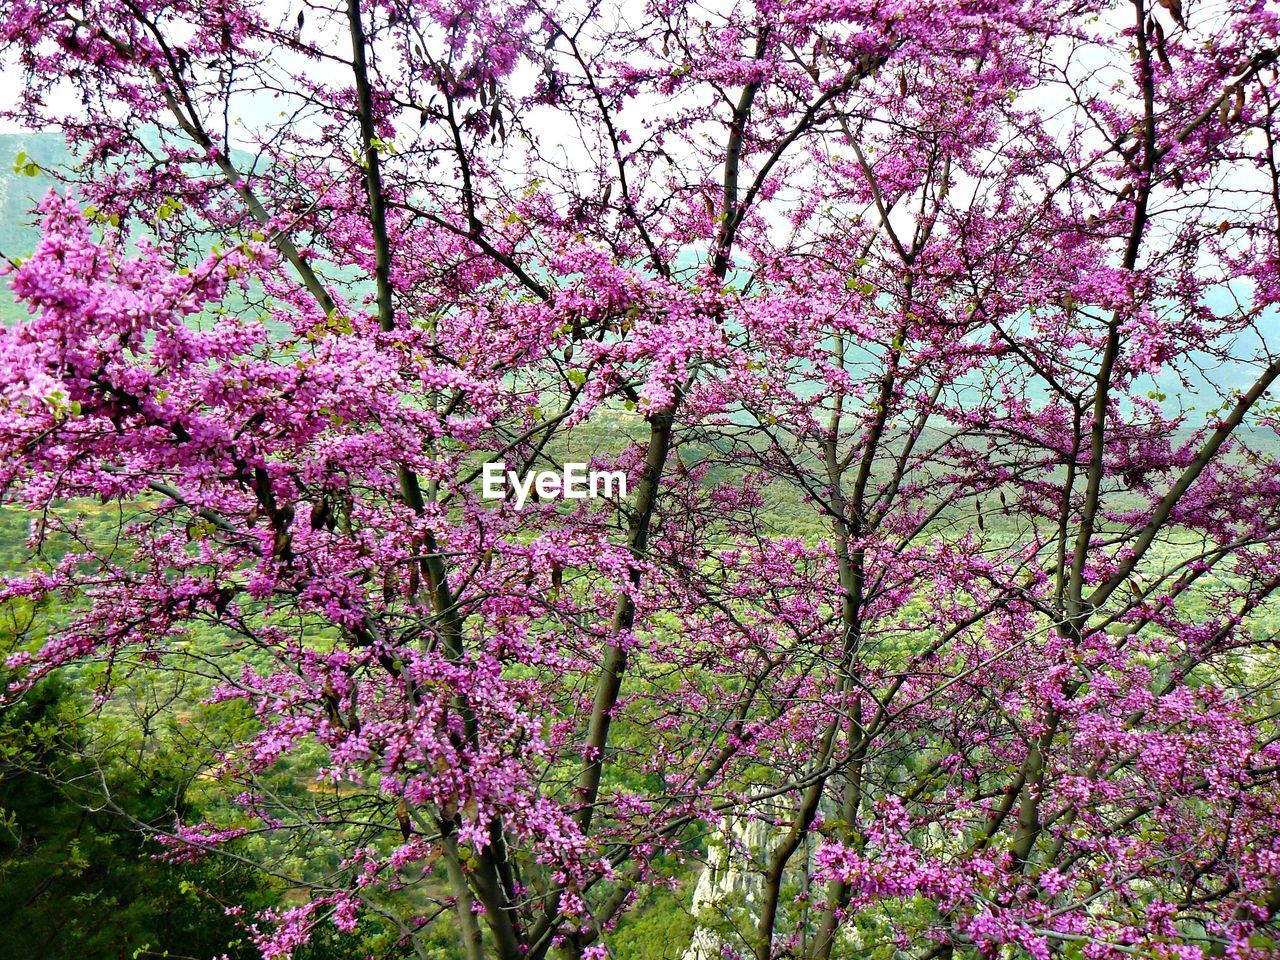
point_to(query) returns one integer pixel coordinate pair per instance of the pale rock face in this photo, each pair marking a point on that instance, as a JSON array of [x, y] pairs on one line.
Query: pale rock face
[[729, 890], [731, 886]]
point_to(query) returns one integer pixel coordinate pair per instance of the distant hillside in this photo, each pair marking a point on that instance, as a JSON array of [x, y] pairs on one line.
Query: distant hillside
[[19, 233], [18, 192]]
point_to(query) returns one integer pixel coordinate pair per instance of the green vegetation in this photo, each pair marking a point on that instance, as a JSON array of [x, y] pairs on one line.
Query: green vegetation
[[82, 795]]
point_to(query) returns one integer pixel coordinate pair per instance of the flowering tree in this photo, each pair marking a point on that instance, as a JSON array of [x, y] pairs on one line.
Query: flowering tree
[[996, 675]]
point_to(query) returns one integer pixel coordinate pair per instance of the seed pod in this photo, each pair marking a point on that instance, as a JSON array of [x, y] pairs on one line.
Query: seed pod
[[402, 816]]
